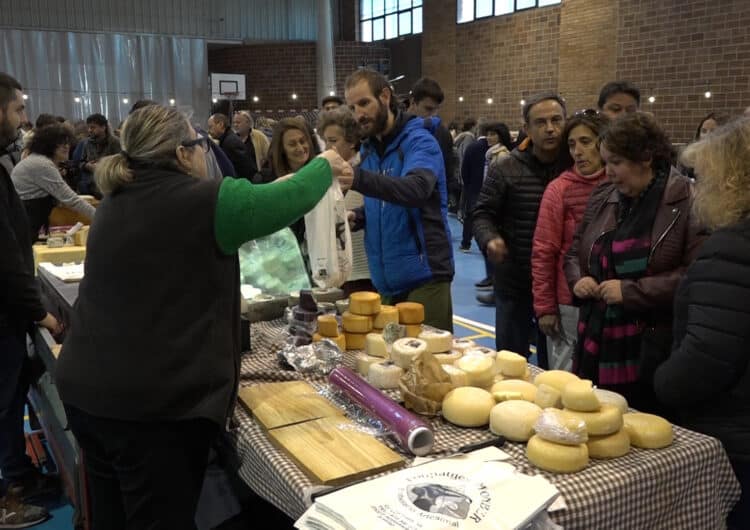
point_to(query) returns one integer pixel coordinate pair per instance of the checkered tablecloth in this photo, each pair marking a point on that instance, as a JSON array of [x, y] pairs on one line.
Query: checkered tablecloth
[[687, 485]]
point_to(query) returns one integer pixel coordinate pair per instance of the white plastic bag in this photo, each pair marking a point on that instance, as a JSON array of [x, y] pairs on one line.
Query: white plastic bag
[[329, 241]]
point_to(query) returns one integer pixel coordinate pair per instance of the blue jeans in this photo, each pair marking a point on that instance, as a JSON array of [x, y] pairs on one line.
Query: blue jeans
[[14, 385], [516, 327]]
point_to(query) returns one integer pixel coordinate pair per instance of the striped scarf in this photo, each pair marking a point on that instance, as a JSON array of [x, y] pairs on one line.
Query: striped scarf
[[609, 336]]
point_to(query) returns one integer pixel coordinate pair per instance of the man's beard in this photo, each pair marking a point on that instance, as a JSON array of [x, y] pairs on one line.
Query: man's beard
[[380, 122], [7, 134]]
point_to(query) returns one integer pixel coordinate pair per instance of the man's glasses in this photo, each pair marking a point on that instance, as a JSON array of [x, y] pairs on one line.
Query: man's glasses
[[201, 140]]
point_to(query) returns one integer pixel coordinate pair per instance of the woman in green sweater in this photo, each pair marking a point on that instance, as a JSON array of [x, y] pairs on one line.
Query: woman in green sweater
[[149, 369]]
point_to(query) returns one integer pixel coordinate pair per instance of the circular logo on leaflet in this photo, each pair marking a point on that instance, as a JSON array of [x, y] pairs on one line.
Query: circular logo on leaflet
[[437, 498]]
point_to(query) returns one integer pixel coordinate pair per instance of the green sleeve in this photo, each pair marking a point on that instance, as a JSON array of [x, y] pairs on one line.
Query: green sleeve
[[246, 211]]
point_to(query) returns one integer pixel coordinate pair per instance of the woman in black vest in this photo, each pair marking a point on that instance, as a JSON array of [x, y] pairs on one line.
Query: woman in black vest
[[149, 370]]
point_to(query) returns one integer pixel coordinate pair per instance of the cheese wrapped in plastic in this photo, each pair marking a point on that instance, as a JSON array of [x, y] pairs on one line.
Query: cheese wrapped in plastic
[[555, 425]]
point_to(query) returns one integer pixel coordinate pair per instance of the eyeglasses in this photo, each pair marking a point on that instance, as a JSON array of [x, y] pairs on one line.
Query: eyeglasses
[[201, 140], [587, 112]]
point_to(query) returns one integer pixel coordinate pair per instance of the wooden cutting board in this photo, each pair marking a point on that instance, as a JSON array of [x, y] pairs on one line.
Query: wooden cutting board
[[333, 450], [279, 404]]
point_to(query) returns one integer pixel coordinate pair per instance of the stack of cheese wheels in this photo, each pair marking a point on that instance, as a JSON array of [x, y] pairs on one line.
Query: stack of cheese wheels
[[405, 350], [411, 316], [479, 369], [439, 343], [358, 321], [559, 443], [511, 365], [604, 422], [384, 374], [376, 351], [328, 328], [386, 315]]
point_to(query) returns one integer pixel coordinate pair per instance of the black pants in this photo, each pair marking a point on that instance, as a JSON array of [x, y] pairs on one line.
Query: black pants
[[143, 475], [468, 228], [516, 326]]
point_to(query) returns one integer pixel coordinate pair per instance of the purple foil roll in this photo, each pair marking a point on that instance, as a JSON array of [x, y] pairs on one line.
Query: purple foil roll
[[412, 432]]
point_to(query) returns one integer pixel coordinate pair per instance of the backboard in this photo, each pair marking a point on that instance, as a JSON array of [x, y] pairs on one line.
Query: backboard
[[228, 86]]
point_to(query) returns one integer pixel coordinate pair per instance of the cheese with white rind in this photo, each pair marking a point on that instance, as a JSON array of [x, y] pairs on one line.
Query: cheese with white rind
[[648, 431], [480, 369], [607, 420], [555, 425], [364, 303], [468, 406], [579, 395], [328, 326], [548, 397], [438, 341], [449, 357], [375, 345], [463, 344], [555, 378], [609, 446], [514, 419], [458, 376], [356, 323], [384, 375], [405, 350], [527, 390], [557, 458], [364, 362], [482, 352], [387, 314], [410, 313], [511, 364], [612, 398]]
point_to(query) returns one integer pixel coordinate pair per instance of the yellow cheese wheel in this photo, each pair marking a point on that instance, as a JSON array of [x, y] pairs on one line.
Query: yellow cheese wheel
[[557, 426], [438, 341], [364, 362], [327, 326], [387, 314], [413, 330], [356, 323], [448, 358], [648, 431], [548, 397], [514, 419], [555, 378], [364, 303], [579, 395], [557, 458], [613, 398], [384, 375], [511, 364], [467, 406], [458, 376], [410, 313], [526, 389], [355, 341], [375, 345], [405, 350], [607, 420], [610, 446], [481, 370], [340, 340]]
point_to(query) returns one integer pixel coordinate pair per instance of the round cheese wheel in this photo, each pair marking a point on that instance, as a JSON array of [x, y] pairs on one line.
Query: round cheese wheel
[[356, 323], [548, 397], [555, 425], [480, 369], [557, 458], [364, 362], [526, 389], [405, 350], [458, 376], [387, 314], [511, 364], [482, 351], [339, 340], [364, 303], [438, 341], [514, 419], [327, 326], [612, 398], [448, 358], [610, 446], [355, 341], [413, 330], [375, 345], [468, 406], [555, 378], [410, 313], [463, 344], [384, 375], [607, 420], [648, 431], [579, 395]]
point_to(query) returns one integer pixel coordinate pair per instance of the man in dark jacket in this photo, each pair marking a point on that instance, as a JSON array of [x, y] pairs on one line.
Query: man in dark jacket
[[20, 308], [100, 143], [505, 219], [402, 177], [219, 128]]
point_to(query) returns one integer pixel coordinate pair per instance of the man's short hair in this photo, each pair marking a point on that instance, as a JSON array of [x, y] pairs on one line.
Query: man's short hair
[[376, 81], [8, 87], [98, 119], [427, 88], [331, 99], [222, 119], [535, 100], [140, 104], [618, 87], [468, 125], [44, 119]]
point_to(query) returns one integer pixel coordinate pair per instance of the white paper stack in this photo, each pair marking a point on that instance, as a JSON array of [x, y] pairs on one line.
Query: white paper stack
[[472, 491], [68, 272]]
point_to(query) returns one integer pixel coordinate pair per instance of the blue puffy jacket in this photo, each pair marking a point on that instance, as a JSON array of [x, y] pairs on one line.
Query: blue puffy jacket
[[402, 177]]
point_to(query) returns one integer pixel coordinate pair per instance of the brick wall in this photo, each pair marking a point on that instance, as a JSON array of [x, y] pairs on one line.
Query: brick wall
[[275, 71], [439, 55]]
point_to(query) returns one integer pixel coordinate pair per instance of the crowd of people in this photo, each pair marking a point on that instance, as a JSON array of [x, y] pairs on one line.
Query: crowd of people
[[613, 256]]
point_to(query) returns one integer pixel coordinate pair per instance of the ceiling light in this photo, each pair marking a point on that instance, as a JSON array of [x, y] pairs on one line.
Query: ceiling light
[[489, 101], [651, 99], [256, 99], [171, 101], [460, 99], [215, 100], [707, 94], [523, 102], [125, 100], [332, 93], [294, 96], [77, 99], [25, 96]]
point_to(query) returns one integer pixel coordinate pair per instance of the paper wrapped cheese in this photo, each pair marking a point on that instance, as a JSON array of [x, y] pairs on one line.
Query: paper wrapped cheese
[[424, 385]]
